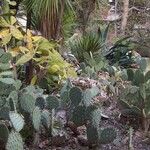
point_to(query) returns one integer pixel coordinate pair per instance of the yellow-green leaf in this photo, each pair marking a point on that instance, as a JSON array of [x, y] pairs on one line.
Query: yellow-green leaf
[[33, 81], [54, 69], [23, 49], [15, 51], [4, 32], [29, 40], [25, 58], [12, 20], [6, 39], [16, 33], [13, 3], [36, 38], [3, 22]]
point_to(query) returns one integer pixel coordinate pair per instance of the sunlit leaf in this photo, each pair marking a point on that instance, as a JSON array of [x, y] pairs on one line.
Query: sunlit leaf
[[3, 22], [33, 81], [23, 49], [13, 20], [4, 32], [6, 39], [16, 33], [25, 58]]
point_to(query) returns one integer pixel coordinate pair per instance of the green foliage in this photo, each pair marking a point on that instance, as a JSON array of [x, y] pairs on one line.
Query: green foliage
[[134, 100], [75, 95], [4, 132], [14, 142], [25, 47], [17, 121], [82, 111], [107, 135], [36, 118], [120, 53], [27, 102], [52, 102], [88, 51]]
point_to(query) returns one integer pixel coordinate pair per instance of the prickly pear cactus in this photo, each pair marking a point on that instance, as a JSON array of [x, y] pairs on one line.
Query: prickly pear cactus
[[27, 102], [14, 142], [89, 94], [4, 132], [40, 102], [4, 113], [79, 115], [76, 96], [95, 118], [107, 135], [46, 118], [17, 121], [138, 78], [52, 102], [92, 135], [36, 118], [87, 98]]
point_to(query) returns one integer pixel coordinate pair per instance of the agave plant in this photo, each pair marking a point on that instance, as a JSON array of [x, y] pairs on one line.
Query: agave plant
[[89, 43], [120, 53]]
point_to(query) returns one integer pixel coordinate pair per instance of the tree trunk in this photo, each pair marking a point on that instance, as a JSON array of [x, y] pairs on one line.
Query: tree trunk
[[29, 65], [125, 16], [84, 11]]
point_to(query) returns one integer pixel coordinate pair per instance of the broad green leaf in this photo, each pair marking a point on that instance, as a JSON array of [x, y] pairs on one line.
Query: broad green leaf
[[13, 3], [23, 49], [4, 32], [16, 33], [13, 20], [25, 58], [6, 39], [3, 22]]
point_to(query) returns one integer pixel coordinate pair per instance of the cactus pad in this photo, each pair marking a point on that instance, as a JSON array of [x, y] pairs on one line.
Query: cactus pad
[[36, 118], [14, 142], [17, 121], [76, 96], [107, 135], [27, 102], [52, 102], [4, 132]]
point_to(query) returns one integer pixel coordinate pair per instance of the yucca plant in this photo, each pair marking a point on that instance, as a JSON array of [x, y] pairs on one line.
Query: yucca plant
[[47, 16]]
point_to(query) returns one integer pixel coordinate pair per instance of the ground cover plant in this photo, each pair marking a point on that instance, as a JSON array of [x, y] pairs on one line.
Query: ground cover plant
[[73, 77]]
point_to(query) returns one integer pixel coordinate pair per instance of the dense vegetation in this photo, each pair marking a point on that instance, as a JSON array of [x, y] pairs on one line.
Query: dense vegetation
[[70, 80]]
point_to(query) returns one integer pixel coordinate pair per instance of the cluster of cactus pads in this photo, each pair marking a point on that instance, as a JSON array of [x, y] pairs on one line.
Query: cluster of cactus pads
[[135, 99], [25, 107], [82, 111], [30, 102]]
